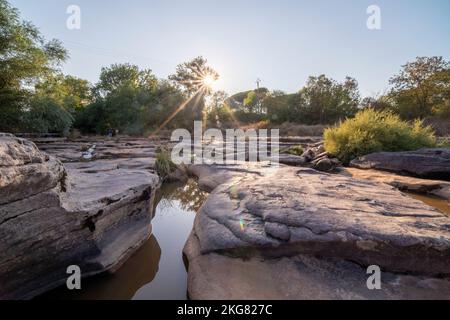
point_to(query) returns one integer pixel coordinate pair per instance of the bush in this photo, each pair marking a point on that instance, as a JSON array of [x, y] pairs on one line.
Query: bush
[[46, 116], [164, 165], [295, 150], [374, 131]]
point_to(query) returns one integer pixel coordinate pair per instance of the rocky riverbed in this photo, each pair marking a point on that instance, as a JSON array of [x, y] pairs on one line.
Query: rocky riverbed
[[52, 217], [305, 230], [296, 233]]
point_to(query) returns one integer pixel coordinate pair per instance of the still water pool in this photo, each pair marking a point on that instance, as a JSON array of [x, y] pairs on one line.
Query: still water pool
[[156, 271]]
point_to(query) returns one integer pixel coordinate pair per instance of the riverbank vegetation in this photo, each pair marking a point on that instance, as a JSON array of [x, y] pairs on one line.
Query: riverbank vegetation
[[374, 131], [35, 96]]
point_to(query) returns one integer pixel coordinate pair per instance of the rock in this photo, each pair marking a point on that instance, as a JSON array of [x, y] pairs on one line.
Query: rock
[[267, 231], [291, 160], [422, 186], [24, 171], [324, 165], [424, 163], [52, 218], [309, 155], [301, 277], [100, 148]]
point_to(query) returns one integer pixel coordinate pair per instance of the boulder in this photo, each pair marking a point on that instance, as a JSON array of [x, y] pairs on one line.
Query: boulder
[[292, 160], [282, 224], [424, 163], [324, 164], [52, 218]]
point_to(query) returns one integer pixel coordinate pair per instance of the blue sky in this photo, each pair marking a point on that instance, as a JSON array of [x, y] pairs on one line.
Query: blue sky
[[281, 42]]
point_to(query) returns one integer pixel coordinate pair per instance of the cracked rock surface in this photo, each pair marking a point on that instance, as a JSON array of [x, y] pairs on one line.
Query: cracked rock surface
[[264, 232], [52, 217]]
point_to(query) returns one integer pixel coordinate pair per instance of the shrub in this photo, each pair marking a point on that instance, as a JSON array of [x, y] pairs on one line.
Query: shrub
[[46, 116], [374, 131], [295, 150], [443, 142], [164, 165]]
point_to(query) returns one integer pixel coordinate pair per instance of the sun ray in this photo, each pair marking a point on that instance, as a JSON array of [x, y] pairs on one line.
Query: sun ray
[[174, 114]]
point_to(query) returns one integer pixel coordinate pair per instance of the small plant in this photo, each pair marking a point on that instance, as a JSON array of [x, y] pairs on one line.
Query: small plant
[[375, 131], [295, 150], [444, 142], [164, 165]]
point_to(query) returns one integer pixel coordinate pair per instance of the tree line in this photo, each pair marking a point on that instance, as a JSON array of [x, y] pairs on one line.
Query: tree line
[[420, 90], [35, 96]]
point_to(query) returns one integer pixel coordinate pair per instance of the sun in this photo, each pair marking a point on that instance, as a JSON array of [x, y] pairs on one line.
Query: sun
[[209, 81]]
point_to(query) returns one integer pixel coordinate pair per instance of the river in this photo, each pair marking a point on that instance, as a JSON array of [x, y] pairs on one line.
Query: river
[[156, 271]]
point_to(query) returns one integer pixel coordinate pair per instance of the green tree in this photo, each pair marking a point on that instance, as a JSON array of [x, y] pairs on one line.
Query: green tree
[[118, 76], [219, 114], [419, 86], [25, 57], [325, 101], [69, 92], [44, 115]]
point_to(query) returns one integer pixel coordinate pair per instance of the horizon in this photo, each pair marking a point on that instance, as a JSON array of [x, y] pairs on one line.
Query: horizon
[[304, 39]]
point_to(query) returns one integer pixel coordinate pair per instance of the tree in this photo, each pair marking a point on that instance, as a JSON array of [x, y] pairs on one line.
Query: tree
[[419, 86], [325, 101], [71, 93], [277, 105], [194, 76], [44, 115], [441, 98], [25, 57], [219, 113], [118, 76], [133, 101]]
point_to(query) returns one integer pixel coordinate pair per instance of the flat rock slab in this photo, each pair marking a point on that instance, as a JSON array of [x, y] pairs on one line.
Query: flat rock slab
[[424, 163], [302, 277], [301, 211], [52, 217], [436, 188], [108, 165], [296, 233]]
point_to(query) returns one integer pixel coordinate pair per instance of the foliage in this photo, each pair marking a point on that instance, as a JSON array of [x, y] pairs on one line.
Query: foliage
[[321, 101], [133, 110], [119, 76], [374, 131], [219, 114], [164, 165], [47, 116], [295, 150], [422, 88], [191, 75], [444, 142], [25, 57], [134, 101]]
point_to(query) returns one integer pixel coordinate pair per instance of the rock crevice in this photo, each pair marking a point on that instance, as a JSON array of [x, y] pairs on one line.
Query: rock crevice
[[53, 217]]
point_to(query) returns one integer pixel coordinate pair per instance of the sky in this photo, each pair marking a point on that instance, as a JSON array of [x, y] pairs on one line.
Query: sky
[[281, 42]]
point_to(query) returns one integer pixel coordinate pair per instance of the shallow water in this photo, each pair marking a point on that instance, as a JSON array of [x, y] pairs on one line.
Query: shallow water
[[156, 271], [435, 202]]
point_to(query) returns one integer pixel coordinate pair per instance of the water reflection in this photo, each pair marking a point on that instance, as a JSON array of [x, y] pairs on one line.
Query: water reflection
[[187, 196], [156, 271], [435, 202]]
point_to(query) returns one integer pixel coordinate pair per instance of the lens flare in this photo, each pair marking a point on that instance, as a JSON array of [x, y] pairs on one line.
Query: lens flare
[[209, 81]]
